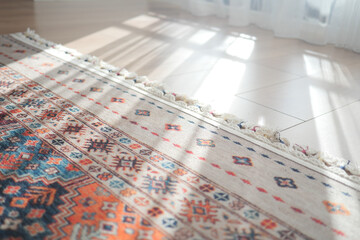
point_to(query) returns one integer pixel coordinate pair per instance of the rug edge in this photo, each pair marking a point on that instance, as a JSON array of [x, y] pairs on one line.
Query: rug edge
[[264, 136]]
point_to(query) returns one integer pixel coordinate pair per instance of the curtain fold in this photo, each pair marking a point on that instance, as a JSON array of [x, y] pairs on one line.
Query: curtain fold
[[314, 21]]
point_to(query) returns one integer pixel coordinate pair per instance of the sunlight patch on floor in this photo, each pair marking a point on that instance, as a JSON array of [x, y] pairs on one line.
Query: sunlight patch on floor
[[139, 51], [241, 48], [121, 48], [178, 57], [173, 30], [202, 36], [221, 84], [335, 73], [141, 21], [315, 64], [97, 40]]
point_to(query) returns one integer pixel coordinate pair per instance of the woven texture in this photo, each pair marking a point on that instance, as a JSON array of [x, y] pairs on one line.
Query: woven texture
[[86, 157]]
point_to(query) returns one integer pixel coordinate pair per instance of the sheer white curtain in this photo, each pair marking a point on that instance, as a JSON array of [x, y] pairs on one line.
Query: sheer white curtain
[[315, 21]]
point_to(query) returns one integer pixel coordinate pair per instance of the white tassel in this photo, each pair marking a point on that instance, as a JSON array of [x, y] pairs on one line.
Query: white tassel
[[142, 79], [353, 170]]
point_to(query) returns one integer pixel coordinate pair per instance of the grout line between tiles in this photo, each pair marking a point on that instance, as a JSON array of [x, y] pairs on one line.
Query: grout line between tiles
[[185, 73], [293, 126], [271, 85], [310, 119], [284, 71], [271, 108]]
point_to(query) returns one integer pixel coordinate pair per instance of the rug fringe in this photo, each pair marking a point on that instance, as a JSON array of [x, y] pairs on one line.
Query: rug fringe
[[266, 135]]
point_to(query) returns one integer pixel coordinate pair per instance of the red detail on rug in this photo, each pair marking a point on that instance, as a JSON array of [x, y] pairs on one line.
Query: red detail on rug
[[261, 190], [278, 199], [269, 224], [123, 117], [165, 139], [104, 176], [201, 158], [116, 113], [231, 173], [190, 152], [145, 128], [338, 232], [15, 111], [297, 210], [98, 103], [71, 167], [303, 150], [106, 107], [180, 172], [135, 123], [85, 161], [199, 211], [254, 128], [155, 211], [70, 88], [35, 213], [215, 165], [83, 95], [153, 133], [135, 146], [246, 181], [11, 189], [31, 143], [177, 145], [318, 221], [91, 99]]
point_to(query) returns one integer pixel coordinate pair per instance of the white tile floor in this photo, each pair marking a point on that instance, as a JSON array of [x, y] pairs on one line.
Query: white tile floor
[[311, 93]]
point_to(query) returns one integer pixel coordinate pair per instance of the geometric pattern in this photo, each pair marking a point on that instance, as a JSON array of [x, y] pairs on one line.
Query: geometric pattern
[[172, 127], [142, 112], [200, 211], [159, 184], [285, 182], [242, 161], [119, 100], [336, 208], [33, 203], [127, 163], [81, 158], [205, 142]]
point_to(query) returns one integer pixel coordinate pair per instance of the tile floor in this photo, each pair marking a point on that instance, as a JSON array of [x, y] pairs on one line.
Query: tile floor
[[311, 93]]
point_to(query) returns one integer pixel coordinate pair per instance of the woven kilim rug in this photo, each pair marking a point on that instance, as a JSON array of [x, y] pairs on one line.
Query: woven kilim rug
[[89, 151]]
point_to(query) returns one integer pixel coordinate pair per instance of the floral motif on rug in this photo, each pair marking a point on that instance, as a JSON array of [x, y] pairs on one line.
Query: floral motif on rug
[[86, 157]]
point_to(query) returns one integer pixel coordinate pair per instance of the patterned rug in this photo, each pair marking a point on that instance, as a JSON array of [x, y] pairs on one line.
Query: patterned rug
[[89, 151]]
